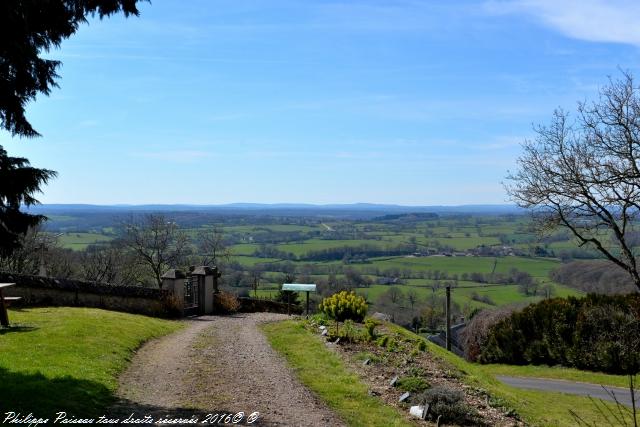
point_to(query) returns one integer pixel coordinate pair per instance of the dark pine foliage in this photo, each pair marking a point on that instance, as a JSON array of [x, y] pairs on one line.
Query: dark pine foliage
[[27, 29], [18, 183]]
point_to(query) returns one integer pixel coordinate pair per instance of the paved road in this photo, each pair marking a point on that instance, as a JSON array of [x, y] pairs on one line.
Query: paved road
[[570, 387]]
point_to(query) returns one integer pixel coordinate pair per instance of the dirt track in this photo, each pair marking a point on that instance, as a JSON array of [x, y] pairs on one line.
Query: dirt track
[[218, 365]]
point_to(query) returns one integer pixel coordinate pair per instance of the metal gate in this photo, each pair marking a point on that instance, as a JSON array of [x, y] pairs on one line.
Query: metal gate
[[191, 296]]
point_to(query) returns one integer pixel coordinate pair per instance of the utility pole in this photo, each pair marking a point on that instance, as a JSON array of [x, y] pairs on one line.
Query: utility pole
[[448, 315]]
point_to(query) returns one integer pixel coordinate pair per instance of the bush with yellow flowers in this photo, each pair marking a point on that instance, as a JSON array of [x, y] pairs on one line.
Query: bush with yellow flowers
[[343, 306]]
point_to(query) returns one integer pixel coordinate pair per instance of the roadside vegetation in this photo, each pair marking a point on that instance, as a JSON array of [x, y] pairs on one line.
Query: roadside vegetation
[[324, 373], [536, 408], [333, 375]]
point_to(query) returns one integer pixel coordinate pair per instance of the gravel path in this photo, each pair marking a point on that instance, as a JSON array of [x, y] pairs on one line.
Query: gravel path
[[218, 365], [623, 395]]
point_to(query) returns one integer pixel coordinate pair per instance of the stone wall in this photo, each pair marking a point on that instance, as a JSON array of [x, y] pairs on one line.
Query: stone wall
[[41, 291]]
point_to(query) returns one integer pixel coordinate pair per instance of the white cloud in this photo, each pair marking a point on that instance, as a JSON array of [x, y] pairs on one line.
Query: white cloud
[[592, 20]]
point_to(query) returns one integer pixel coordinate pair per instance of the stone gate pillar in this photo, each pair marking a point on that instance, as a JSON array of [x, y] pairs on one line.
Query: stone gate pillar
[[208, 285], [173, 281]]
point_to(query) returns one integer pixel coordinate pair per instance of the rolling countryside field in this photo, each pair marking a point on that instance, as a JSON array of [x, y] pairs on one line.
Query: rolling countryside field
[[416, 254]]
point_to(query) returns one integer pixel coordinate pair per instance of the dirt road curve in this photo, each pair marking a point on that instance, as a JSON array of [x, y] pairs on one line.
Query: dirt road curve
[[218, 365]]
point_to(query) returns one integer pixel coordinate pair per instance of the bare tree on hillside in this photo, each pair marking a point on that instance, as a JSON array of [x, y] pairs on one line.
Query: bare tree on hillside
[[40, 253], [157, 243], [256, 278], [100, 264], [28, 257], [584, 175], [394, 294], [213, 247], [412, 297]]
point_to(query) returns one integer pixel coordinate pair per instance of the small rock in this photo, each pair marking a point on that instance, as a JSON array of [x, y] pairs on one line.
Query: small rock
[[373, 393], [366, 362], [393, 382], [324, 332], [417, 411], [337, 341], [404, 397]]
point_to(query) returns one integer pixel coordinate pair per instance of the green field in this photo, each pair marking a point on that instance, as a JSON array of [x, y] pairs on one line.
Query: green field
[[537, 267], [287, 243], [318, 245], [500, 295], [80, 241]]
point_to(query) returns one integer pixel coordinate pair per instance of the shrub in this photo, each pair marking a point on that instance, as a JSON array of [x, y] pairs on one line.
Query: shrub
[[349, 331], [476, 332], [291, 296], [319, 319], [370, 327], [344, 306], [172, 306], [373, 359], [392, 345], [422, 345], [412, 384], [448, 404], [224, 302], [486, 299], [597, 332], [416, 371], [383, 340]]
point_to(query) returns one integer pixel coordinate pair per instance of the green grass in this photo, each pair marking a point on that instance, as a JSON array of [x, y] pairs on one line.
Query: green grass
[[247, 249], [80, 241], [68, 359], [323, 372], [537, 408], [537, 267], [250, 261], [302, 248], [500, 295]]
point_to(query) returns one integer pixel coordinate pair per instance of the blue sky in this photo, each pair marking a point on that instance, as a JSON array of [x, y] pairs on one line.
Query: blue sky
[[407, 102]]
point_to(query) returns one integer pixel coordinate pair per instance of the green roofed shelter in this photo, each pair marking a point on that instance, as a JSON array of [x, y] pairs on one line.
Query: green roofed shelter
[[299, 287]]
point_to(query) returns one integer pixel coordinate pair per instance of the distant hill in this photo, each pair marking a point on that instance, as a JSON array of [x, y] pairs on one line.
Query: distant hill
[[355, 210], [408, 216]]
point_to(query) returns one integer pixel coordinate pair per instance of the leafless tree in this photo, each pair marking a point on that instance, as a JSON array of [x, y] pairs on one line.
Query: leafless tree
[[213, 247], [256, 277], [584, 175], [157, 243], [412, 297], [394, 294], [100, 264], [40, 253], [28, 257]]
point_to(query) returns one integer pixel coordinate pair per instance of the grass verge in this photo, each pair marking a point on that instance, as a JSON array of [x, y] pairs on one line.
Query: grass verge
[[67, 359], [324, 373], [536, 408]]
